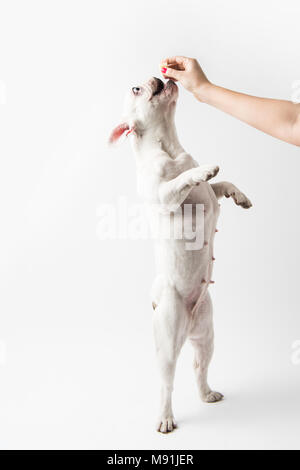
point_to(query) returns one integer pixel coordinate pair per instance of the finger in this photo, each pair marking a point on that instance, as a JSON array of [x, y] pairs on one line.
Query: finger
[[176, 61], [171, 73]]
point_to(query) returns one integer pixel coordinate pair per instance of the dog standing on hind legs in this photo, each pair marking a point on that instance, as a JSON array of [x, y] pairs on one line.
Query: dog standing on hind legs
[[170, 179]]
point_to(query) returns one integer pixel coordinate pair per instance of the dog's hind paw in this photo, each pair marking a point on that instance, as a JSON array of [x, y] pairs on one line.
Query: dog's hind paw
[[165, 425], [212, 397]]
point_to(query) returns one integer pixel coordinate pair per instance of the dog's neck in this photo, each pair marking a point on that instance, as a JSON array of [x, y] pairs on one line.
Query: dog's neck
[[157, 139]]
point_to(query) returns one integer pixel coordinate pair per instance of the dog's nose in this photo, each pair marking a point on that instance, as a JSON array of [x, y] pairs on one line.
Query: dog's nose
[[159, 85]]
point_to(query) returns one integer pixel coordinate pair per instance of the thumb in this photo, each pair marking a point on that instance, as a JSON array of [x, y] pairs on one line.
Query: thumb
[[171, 73]]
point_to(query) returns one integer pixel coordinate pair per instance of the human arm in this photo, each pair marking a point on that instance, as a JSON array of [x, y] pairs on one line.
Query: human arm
[[278, 118]]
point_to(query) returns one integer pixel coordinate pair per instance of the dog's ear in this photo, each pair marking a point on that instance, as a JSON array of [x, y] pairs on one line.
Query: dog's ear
[[119, 131]]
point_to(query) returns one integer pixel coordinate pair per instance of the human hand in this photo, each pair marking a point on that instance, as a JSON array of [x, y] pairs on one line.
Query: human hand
[[188, 72]]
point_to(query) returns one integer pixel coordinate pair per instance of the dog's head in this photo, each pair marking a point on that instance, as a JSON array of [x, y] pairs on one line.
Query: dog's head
[[147, 107]]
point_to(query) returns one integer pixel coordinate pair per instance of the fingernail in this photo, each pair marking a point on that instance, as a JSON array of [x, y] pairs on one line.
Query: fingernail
[[163, 69]]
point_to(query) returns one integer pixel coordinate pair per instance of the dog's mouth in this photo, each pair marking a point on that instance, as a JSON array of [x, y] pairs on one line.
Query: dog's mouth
[[159, 86]]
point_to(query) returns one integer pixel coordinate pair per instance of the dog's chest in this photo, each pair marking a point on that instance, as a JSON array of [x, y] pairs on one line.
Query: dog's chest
[[159, 168]]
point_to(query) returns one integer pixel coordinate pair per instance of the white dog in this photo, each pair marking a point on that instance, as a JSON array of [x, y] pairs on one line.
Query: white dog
[[168, 179]]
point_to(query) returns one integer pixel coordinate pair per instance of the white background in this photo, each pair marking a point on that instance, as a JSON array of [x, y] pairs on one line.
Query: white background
[[77, 363]]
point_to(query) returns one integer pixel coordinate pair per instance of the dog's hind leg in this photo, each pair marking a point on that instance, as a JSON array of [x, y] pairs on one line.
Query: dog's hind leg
[[202, 339], [170, 331]]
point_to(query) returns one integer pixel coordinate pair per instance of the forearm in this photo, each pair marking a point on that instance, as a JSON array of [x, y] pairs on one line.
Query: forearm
[[230, 190], [278, 118], [221, 189], [173, 193]]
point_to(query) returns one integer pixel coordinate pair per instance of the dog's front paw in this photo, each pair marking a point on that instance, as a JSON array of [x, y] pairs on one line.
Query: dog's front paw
[[212, 397], [166, 424], [204, 173], [240, 199]]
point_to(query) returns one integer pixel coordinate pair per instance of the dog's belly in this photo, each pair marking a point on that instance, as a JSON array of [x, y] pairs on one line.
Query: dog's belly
[[190, 270]]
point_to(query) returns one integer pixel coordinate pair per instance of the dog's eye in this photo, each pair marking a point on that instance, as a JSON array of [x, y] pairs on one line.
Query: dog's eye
[[136, 90]]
